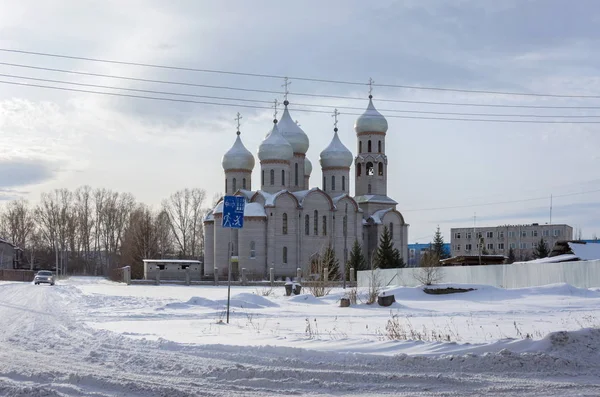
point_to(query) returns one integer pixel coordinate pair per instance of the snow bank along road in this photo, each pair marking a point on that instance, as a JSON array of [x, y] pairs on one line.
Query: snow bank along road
[[46, 350]]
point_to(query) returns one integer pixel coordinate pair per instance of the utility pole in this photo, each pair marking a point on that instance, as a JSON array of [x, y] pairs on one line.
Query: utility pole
[[550, 209]]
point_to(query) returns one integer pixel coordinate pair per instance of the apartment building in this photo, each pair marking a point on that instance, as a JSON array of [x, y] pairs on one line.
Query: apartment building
[[500, 239]]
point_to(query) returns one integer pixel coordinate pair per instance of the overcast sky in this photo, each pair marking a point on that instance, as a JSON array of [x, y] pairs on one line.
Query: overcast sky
[[440, 171]]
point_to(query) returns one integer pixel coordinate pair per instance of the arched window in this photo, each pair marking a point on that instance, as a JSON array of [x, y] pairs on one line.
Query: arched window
[[369, 146], [345, 223], [324, 225], [358, 169], [226, 186], [379, 146], [324, 183], [391, 230], [316, 224], [272, 177], [262, 177], [296, 174], [234, 186], [343, 183], [332, 182], [369, 170], [282, 178], [306, 224], [252, 249], [284, 255], [380, 169], [244, 183], [284, 226], [360, 147], [369, 189]]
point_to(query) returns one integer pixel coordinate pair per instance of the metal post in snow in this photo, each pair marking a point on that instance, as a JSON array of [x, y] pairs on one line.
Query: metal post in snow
[[229, 273]]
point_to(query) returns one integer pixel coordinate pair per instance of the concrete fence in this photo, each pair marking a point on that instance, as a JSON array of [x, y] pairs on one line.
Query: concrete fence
[[582, 274]]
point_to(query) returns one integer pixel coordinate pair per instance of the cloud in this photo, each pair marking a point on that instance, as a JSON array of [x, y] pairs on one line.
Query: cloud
[[25, 172]]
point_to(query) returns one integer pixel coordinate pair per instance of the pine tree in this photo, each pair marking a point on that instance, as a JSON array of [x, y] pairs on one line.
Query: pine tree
[[331, 263], [511, 255], [541, 249], [357, 259], [386, 256], [437, 246]]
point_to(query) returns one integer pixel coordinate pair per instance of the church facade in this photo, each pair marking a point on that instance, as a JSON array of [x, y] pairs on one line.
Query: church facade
[[286, 222]]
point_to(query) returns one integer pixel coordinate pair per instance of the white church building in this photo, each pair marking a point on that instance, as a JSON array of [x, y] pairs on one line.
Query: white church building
[[286, 222]]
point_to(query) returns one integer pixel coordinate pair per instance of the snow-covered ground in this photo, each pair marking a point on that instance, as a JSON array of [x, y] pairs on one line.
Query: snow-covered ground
[[88, 336]]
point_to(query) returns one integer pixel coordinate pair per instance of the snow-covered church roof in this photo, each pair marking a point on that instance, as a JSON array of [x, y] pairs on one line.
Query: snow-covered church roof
[[275, 147], [336, 154], [292, 132], [238, 157]]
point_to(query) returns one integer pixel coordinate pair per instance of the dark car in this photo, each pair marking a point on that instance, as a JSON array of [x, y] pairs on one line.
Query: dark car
[[44, 276]]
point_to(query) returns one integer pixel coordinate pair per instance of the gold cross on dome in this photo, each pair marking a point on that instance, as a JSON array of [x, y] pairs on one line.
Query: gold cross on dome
[[237, 119], [335, 118], [286, 86], [275, 104]]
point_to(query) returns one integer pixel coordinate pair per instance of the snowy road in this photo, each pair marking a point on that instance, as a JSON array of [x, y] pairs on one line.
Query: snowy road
[[46, 350]]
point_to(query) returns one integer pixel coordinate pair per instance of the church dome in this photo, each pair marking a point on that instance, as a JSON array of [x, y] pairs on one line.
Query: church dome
[[238, 157], [292, 132], [336, 154], [275, 147], [371, 120], [307, 167]]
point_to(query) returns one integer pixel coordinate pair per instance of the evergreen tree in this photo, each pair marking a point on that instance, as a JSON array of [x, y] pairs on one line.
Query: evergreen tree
[[331, 263], [511, 255], [541, 249], [357, 259], [386, 256], [437, 246]]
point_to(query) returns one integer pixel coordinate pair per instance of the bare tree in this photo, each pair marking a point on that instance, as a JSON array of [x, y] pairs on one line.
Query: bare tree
[[18, 221], [140, 240], [85, 225], [185, 212], [430, 271], [164, 235]]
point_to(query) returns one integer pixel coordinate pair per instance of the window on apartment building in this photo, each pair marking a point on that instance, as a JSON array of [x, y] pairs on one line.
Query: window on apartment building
[[546, 233], [457, 235], [284, 228], [457, 247], [534, 233], [490, 246], [501, 246], [513, 245], [468, 247], [479, 234], [489, 235], [556, 232], [523, 246], [252, 250], [523, 233], [469, 234], [501, 234], [511, 234]]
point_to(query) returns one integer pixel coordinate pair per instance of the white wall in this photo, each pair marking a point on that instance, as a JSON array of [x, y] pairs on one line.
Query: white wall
[[582, 274]]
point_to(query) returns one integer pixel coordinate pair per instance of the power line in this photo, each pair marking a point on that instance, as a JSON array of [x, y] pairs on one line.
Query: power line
[[272, 76], [300, 110], [297, 104], [180, 83], [501, 202]]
